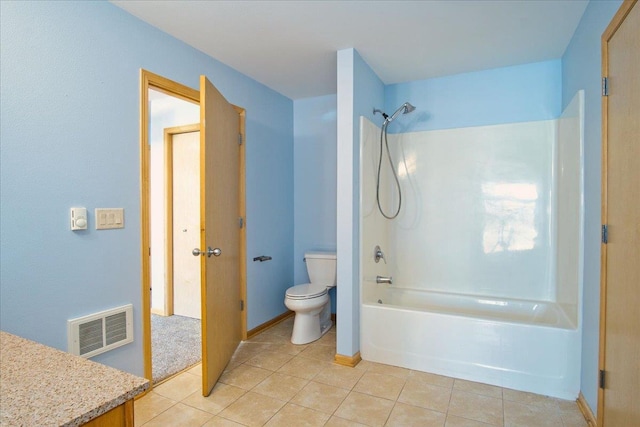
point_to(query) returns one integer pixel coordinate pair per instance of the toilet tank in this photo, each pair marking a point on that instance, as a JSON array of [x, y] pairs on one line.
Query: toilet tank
[[321, 267]]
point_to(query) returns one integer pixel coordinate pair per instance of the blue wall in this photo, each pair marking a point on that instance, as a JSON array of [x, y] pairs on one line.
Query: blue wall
[[581, 69], [520, 93], [359, 91], [314, 176], [69, 111]]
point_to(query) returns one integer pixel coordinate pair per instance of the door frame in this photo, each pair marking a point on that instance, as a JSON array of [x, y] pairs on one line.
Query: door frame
[[149, 80], [168, 192], [608, 34]]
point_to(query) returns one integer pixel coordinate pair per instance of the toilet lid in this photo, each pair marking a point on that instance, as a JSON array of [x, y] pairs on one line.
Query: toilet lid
[[306, 291]]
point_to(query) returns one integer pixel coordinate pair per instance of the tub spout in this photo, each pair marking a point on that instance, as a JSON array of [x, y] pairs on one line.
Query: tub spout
[[382, 279]]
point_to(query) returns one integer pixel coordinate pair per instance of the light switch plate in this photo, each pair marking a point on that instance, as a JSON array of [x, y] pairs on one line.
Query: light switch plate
[[78, 218], [109, 218]]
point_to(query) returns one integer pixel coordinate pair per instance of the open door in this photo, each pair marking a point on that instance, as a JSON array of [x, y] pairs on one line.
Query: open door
[[219, 232]]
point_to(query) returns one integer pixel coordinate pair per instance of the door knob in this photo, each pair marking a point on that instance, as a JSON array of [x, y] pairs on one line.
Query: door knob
[[208, 252]]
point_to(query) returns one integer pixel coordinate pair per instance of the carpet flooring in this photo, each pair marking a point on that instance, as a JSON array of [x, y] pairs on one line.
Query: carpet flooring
[[175, 345]]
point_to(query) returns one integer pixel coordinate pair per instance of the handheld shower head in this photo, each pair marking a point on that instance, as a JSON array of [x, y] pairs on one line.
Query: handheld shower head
[[405, 108], [408, 108]]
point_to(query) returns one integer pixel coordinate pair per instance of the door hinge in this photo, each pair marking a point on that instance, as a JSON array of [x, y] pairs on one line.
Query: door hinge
[[605, 86], [241, 305], [149, 251], [605, 233], [601, 380], [241, 222], [239, 139]]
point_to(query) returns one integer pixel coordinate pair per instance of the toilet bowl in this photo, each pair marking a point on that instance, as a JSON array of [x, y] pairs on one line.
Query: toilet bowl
[[310, 301]]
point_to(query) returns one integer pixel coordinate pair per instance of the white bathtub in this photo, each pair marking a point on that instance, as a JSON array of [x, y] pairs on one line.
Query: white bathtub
[[495, 341]]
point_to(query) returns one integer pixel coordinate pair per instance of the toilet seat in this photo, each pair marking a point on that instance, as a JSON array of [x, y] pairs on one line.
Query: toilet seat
[[306, 291]]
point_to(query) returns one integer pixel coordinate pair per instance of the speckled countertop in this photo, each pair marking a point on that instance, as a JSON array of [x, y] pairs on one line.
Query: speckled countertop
[[42, 386]]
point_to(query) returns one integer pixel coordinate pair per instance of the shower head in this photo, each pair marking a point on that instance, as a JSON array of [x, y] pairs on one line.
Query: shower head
[[405, 108], [408, 108]]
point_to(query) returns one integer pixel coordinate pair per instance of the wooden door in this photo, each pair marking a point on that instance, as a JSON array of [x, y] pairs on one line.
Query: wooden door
[[185, 224], [220, 230], [619, 399]]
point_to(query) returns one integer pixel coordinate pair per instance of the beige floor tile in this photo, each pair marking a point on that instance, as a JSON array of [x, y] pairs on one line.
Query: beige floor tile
[[269, 360], [280, 386], [287, 347], [252, 409], [325, 353], [180, 415], [328, 339], [380, 368], [341, 422], [179, 387], [233, 364], [364, 365], [425, 395], [409, 416], [429, 378], [531, 399], [302, 367], [573, 419], [339, 376], [521, 415], [478, 388], [150, 405], [299, 416], [196, 370], [245, 376], [221, 422], [221, 396], [270, 337], [247, 349], [385, 386], [321, 397], [453, 421], [476, 407], [365, 409]]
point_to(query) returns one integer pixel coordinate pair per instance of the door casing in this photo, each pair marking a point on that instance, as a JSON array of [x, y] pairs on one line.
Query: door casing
[[150, 80], [620, 233]]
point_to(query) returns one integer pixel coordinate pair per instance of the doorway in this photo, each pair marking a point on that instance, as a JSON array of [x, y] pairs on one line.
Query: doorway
[[158, 261], [619, 391]]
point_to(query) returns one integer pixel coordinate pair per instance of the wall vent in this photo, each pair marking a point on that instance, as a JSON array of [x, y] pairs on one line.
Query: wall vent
[[99, 332]]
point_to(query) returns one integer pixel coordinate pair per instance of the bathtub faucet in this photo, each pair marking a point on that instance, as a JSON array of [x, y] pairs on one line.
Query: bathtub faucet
[[382, 279]]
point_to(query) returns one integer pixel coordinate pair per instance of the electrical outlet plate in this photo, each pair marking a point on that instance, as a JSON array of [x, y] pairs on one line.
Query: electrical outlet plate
[[109, 218]]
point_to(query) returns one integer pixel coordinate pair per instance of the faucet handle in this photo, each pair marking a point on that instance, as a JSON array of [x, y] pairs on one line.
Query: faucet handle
[[378, 255]]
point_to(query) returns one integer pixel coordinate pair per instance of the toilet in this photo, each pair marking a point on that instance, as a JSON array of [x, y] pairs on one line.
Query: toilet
[[310, 301]]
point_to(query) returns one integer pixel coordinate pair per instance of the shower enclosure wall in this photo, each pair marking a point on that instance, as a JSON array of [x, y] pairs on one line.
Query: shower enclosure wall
[[485, 255]]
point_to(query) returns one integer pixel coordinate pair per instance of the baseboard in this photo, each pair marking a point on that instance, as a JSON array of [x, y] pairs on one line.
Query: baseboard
[[586, 411], [270, 323], [158, 311], [349, 361]]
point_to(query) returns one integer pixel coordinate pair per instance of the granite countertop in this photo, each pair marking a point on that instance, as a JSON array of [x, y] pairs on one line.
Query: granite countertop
[[42, 386]]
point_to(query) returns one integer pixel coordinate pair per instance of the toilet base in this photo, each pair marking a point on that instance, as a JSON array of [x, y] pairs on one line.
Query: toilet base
[[311, 327]]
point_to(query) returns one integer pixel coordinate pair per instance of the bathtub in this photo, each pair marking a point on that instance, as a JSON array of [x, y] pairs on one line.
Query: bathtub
[[523, 345]]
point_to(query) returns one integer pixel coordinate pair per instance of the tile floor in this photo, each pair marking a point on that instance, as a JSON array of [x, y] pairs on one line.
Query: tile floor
[[271, 382]]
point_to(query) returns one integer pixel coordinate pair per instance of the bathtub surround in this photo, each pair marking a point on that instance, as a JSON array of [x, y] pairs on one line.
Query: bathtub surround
[[485, 256]]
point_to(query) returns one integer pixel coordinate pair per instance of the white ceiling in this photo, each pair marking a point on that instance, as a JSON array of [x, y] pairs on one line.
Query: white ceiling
[[290, 46]]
